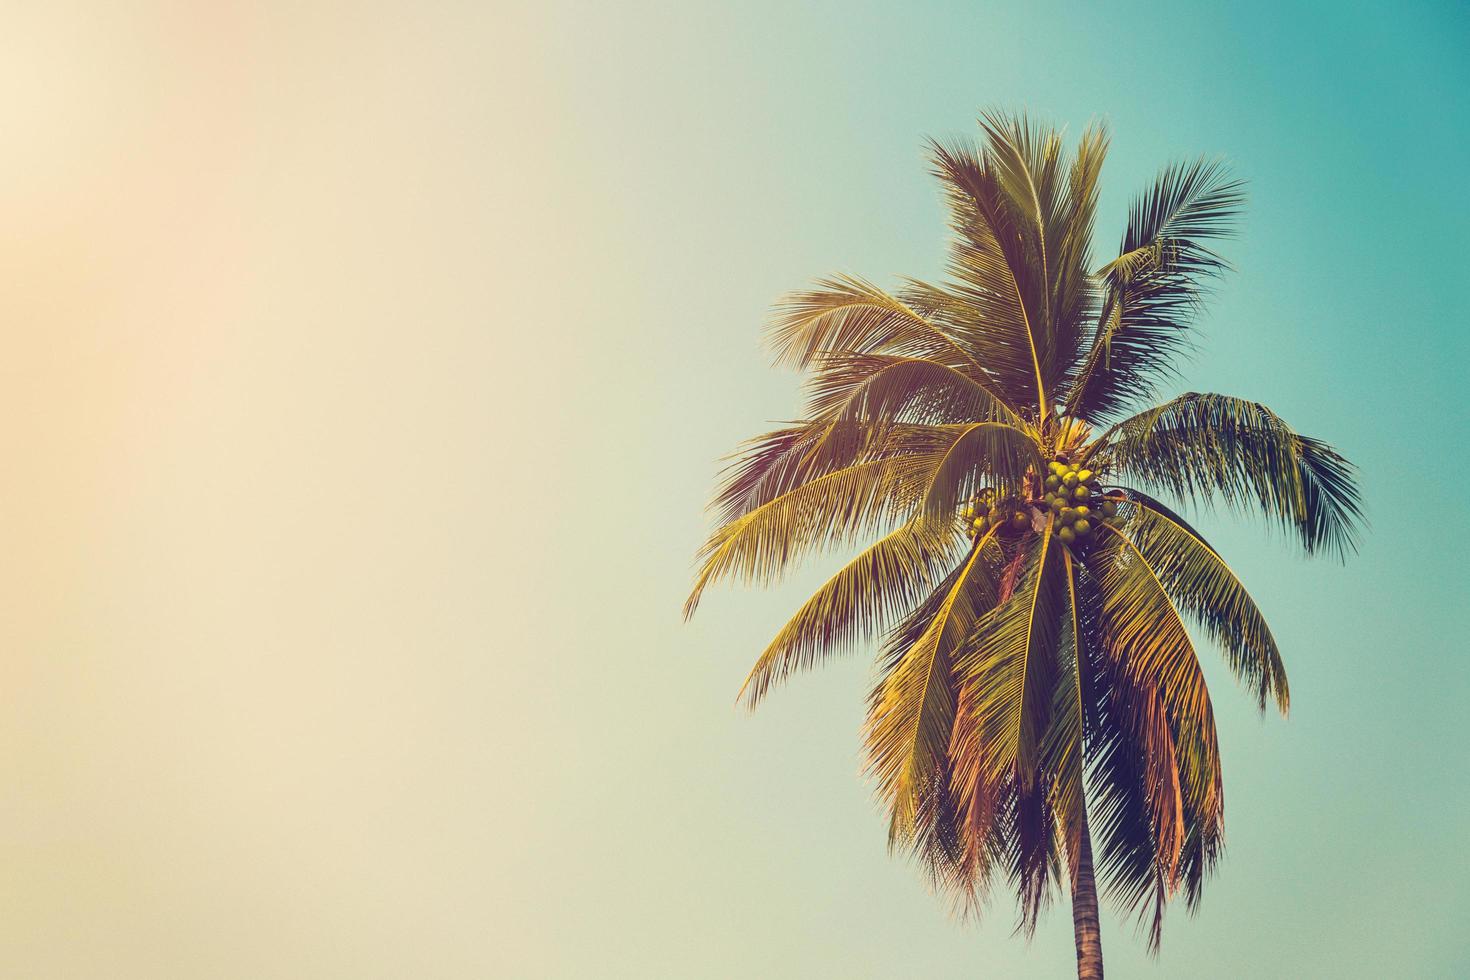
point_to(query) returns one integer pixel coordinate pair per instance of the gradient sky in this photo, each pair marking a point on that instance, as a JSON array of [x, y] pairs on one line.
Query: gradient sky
[[367, 367]]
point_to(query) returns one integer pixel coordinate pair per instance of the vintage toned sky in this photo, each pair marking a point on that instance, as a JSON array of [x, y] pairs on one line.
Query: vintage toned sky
[[365, 370]]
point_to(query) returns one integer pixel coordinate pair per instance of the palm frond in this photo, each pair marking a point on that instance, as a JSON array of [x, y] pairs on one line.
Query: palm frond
[[1132, 862], [881, 584], [845, 313], [780, 461], [997, 291], [1062, 745], [883, 388], [834, 508], [1026, 163], [1143, 630], [1032, 848], [1206, 446], [1153, 288], [1202, 848], [984, 453], [1203, 585], [1008, 670], [911, 711], [1074, 288]]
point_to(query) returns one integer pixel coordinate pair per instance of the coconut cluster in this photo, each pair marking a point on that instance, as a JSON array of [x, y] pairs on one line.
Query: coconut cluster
[[986, 510], [1073, 497]]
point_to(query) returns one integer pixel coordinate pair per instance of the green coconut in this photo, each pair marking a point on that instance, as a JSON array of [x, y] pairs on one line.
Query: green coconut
[[1066, 535], [1110, 508], [1082, 510], [1020, 519], [1081, 493], [1070, 479], [1084, 476], [1058, 504], [1082, 527], [1053, 481]]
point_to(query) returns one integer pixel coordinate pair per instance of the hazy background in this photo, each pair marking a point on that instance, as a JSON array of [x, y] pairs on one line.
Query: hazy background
[[365, 367]]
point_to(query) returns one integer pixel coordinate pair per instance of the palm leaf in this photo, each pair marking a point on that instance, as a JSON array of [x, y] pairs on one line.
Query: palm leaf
[[850, 314], [992, 453], [1074, 289], [882, 388], [833, 508], [780, 461], [1062, 746], [1154, 287], [1207, 446], [1201, 583], [997, 292], [1008, 671], [887, 580], [1132, 862], [1144, 631], [1032, 847], [911, 711]]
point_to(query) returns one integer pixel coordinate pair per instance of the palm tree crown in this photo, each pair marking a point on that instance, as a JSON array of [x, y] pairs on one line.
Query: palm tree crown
[[1038, 684]]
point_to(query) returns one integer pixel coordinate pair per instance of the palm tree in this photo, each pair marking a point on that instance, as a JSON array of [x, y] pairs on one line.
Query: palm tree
[[1038, 685]]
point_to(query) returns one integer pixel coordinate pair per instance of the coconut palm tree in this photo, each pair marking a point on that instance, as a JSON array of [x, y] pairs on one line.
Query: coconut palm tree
[[1039, 715]]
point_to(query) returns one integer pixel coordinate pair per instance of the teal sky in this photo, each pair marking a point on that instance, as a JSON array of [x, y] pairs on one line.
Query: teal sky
[[368, 367], [717, 156]]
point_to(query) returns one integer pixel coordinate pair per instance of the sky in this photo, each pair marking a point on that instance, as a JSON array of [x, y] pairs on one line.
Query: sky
[[367, 367]]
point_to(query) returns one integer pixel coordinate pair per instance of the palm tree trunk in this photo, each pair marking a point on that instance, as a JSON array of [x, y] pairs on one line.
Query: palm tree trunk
[[1085, 925]]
